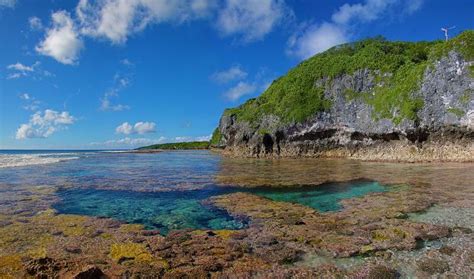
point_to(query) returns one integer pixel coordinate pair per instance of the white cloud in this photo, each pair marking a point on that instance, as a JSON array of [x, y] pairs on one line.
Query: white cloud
[[413, 5], [144, 127], [106, 101], [139, 128], [129, 142], [14, 76], [22, 68], [251, 19], [124, 128], [30, 102], [7, 3], [19, 70], [231, 74], [106, 104], [246, 86], [35, 23], [241, 89], [25, 96], [188, 138], [315, 39], [43, 125], [369, 11], [115, 20], [126, 62], [61, 42]]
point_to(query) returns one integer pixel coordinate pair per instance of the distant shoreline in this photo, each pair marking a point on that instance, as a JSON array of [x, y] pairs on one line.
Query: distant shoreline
[[192, 145]]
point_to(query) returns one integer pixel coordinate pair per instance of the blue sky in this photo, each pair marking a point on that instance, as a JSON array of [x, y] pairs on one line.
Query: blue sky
[[96, 74]]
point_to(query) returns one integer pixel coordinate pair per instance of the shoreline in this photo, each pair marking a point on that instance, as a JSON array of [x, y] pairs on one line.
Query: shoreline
[[386, 152]]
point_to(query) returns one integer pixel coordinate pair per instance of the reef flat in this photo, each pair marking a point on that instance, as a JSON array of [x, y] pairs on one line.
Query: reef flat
[[421, 226]]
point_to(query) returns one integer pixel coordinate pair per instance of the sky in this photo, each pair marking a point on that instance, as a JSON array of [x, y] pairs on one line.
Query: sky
[[111, 74]]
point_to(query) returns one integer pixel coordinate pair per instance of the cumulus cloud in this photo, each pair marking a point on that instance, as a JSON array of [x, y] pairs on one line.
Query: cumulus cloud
[[241, 89], [124, 128], [144, 127], [317, 37], [241, 84], [115, 20], [35, 23], [139, 128], [7, 3], [231, 74], [62, 42], [251, 19], [43, 125]]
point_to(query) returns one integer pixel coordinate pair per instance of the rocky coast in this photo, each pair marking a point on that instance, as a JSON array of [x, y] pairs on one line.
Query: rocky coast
[[418, 109]]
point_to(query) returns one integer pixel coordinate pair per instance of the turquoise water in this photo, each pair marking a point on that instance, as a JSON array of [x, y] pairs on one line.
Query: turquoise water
[[325, 197], [164, 211], [164, 191], [175, 210]]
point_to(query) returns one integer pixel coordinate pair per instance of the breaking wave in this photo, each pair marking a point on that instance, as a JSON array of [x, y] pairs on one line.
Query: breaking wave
[[21, 160]]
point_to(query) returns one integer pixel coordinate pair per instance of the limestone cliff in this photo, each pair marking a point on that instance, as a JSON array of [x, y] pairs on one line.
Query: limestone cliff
[[373, 100]]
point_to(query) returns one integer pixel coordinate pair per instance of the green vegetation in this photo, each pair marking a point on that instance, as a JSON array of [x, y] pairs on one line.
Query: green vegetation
[[216, 137], [399, 65], [178, 146], [463, 43], [466, 97], [456, 111]]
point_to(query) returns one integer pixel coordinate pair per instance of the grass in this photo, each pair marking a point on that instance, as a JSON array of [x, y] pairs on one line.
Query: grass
[[178, 146], [399, 67]]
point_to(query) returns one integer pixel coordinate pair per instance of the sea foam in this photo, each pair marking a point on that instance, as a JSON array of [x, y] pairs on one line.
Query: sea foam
[[21, 160]]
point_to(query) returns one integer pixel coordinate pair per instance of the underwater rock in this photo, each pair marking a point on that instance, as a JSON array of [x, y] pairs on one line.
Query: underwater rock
[[280, 254], [433, 266], [447, 250], [43, 267], [377, 272], [73, 249], [89, 272]]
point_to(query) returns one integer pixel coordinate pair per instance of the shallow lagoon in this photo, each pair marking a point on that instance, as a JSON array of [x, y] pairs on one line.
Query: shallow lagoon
[[172, 210]]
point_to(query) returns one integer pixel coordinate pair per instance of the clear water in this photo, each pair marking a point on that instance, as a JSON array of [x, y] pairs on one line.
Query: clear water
[[164, 211], [325, 197], [163, 191]]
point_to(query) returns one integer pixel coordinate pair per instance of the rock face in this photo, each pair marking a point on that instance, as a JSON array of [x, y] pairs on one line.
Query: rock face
[[443, 129]]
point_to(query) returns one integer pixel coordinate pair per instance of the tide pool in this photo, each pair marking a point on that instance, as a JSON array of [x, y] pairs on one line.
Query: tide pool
[[164, 211], [173, 210], [325, 197]]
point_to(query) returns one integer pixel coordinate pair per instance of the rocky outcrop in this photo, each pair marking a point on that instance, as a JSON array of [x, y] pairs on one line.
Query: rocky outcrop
[[442, 130]]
